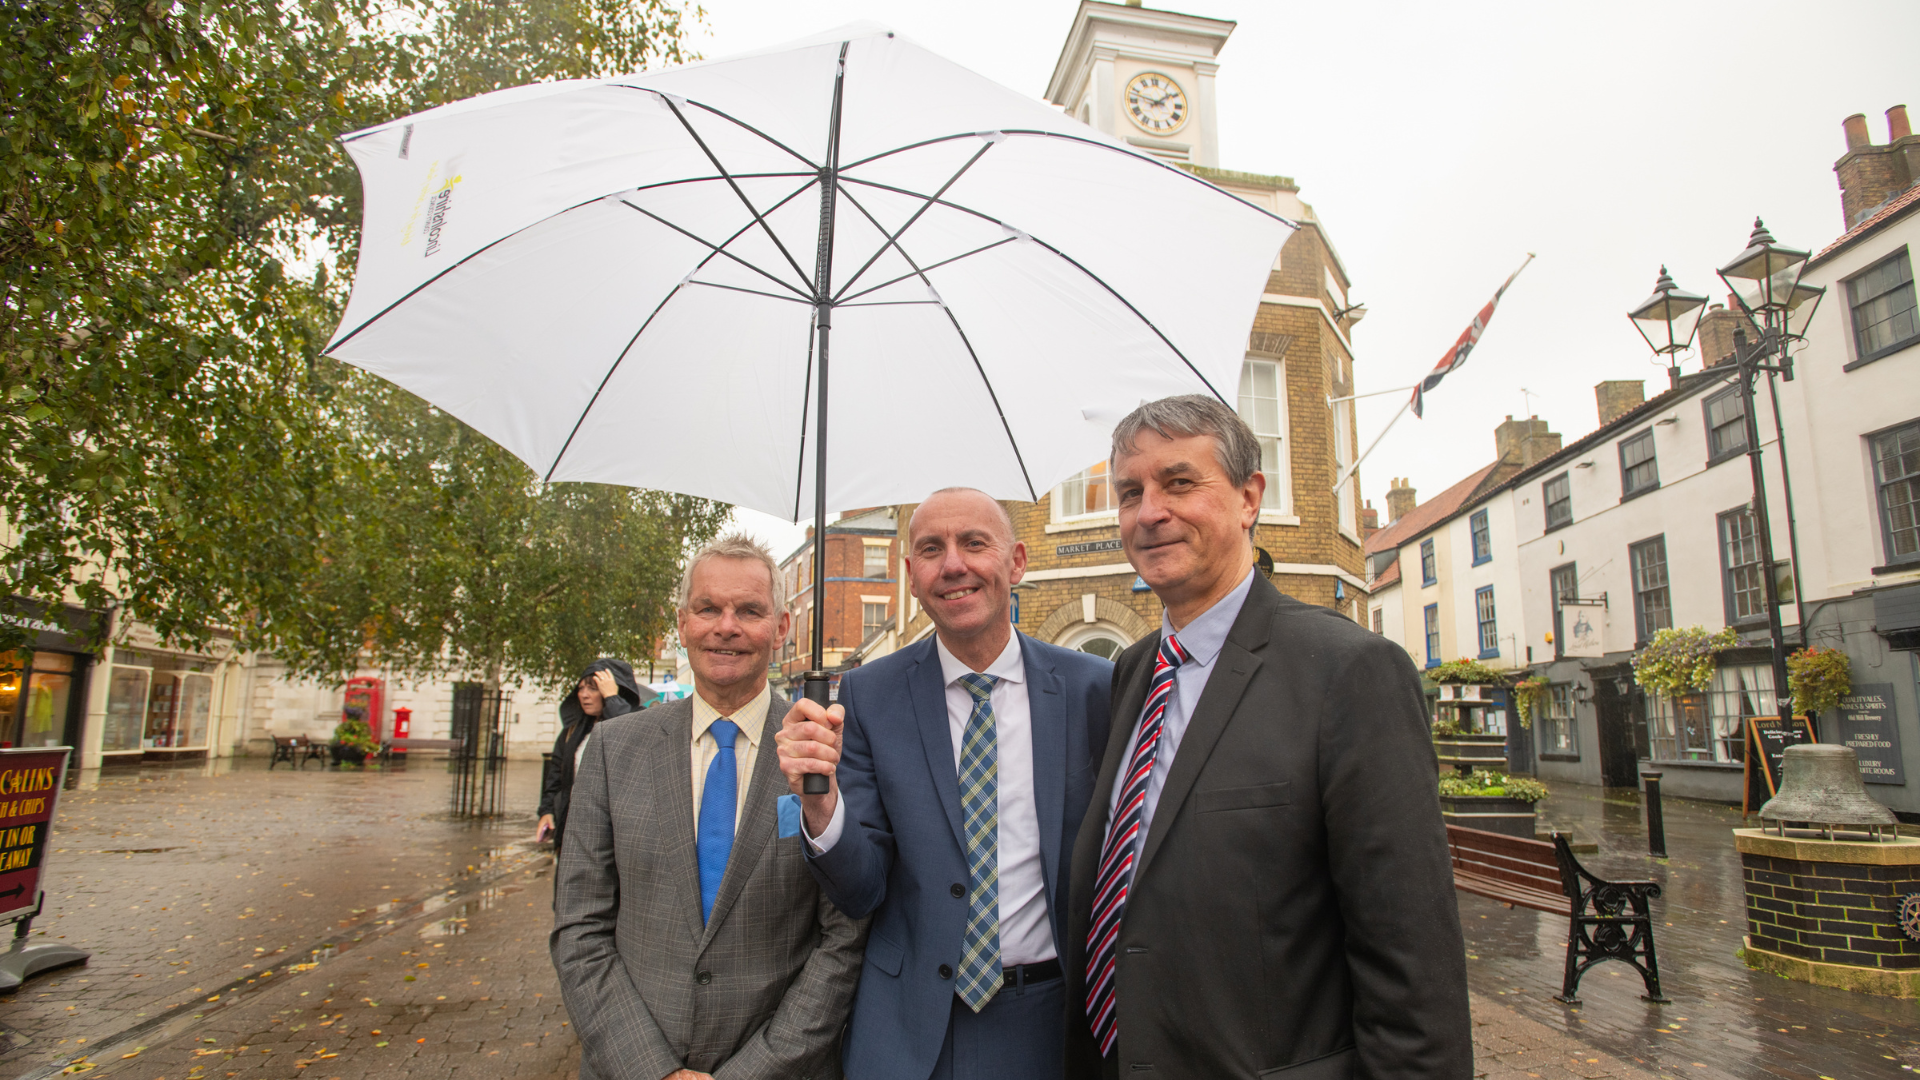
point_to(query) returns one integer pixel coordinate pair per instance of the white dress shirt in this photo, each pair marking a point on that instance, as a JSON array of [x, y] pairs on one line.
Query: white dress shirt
[[1203, 639], [746, 746], [1026, 936]]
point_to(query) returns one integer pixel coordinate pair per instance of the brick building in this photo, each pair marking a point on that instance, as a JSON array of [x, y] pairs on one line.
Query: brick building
[[1079, 590], [862, 581]]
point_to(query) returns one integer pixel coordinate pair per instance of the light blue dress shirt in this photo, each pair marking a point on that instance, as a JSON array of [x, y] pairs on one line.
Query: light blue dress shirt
[[1203, 639]]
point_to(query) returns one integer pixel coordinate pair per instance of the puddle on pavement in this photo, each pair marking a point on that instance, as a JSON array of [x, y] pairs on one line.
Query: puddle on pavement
[[456, 920]]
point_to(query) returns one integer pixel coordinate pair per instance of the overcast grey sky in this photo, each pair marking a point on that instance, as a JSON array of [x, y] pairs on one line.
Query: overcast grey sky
[[1441, 143]]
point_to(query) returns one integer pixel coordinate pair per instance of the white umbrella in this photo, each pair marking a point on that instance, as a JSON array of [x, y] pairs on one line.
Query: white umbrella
[[637, 280]]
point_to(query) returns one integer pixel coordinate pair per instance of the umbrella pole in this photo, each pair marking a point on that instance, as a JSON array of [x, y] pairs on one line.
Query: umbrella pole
[[817, 683]]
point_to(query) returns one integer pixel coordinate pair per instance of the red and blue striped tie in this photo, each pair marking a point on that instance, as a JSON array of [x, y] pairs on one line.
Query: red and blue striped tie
[[1117, 855]]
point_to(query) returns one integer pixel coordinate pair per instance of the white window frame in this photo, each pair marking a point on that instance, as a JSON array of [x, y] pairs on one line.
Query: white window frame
[[1109, 515], [1277, 508], [1348, 516]]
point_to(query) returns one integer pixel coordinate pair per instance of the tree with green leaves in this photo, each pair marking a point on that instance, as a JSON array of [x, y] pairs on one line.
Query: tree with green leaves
[[176, 228]]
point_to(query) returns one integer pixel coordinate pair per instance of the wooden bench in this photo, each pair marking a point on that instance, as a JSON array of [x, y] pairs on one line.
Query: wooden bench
[[287, 748], [1606, 920], [408, 746]]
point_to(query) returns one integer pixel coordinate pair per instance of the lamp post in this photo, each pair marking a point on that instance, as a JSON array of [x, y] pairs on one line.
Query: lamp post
[[1765, 282]]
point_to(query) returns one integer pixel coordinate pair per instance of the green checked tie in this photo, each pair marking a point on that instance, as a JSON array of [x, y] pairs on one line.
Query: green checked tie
[[979, 976]]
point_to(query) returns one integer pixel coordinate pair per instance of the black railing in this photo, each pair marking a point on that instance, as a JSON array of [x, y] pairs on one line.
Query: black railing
[[479, 764]]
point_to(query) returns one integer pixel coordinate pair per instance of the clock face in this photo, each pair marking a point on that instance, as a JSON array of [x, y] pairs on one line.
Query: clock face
[[1156, 103]]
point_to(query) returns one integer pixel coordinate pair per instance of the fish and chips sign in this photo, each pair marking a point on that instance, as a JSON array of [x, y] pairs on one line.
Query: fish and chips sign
[[29, 787]]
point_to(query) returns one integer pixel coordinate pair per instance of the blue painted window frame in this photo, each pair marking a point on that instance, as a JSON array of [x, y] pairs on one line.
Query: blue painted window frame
[[1482, 538], [1429, 566], [1432, 626], [1487, 620]]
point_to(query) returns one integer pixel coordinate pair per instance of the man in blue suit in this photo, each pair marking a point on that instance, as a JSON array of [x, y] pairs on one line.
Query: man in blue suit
[[961, 766]]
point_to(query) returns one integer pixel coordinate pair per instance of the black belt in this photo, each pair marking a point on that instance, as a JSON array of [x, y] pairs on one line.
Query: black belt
[[1027, 974]]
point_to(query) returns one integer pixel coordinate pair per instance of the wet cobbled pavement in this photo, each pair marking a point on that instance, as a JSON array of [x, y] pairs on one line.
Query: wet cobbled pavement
[[1725, 1020]]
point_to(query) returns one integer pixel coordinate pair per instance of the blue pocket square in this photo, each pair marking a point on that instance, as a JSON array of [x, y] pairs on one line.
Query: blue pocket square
[[789, 807]]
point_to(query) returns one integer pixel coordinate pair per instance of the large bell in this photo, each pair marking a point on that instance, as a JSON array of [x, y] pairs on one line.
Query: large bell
[[1820, 789]]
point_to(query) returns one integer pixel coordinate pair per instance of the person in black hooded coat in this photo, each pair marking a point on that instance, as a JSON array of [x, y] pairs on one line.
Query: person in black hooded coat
[[605, 690]]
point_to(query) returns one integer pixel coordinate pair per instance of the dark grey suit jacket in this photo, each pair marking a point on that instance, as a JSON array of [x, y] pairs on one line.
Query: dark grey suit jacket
[[760, 990], [1293, 914]]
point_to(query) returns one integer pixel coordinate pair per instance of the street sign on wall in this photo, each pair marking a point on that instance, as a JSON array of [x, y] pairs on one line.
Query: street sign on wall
[[1866, 724], [29, 785]]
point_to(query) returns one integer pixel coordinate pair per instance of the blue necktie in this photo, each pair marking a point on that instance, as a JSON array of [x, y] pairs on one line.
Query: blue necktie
[[719, 800]]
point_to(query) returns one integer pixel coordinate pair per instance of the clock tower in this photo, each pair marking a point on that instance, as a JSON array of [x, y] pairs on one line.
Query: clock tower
[[1144, 76]]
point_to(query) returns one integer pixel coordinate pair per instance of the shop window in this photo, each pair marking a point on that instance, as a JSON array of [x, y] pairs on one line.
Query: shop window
[[1557, 731], [126, 708], [1896, 474], [1711, 727], [1557, 494], [1639, 470], [1482, 538], [1652, 598], [1745, 590], [1884, 318], [1726, 425]]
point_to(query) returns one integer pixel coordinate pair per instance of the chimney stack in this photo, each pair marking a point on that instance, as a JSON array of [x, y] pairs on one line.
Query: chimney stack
[[1400, 500], [1520, 443], [1369, 521], [1869, 175], [1715, 336], [1618, 397]]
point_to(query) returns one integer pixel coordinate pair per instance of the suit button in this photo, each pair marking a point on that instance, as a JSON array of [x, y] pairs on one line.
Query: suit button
[[946, 972], [703, 977], [958, 890]]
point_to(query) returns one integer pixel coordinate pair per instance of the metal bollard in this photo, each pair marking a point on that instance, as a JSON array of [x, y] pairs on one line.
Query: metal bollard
[[1656, 824]]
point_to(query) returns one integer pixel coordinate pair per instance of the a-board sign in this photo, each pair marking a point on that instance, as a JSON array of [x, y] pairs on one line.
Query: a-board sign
[[29, 787], [1866, 724], [1767, 741]]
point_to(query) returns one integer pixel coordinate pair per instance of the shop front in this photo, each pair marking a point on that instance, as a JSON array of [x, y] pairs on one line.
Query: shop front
[[159, 707], [42, 685]]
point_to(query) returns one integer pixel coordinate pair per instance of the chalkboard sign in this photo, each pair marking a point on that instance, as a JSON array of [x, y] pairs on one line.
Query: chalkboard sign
[[1767, 742], [1866, 724]]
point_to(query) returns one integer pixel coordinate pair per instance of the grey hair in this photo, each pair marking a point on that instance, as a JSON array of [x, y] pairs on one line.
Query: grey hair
[[1188, 415], [734, 545]]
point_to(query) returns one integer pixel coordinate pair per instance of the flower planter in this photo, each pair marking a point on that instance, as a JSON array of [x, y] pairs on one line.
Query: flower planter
[[1489, 813], [1464, 752], [348, 755]]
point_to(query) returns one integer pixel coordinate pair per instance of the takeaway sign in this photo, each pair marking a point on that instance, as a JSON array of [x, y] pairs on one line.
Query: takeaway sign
[[29, 784]]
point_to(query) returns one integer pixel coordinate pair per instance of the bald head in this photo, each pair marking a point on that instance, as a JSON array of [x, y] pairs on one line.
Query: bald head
[[970, 501]]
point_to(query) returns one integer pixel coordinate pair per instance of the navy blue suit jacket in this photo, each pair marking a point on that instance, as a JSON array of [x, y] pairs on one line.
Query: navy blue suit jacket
[[900, 857]]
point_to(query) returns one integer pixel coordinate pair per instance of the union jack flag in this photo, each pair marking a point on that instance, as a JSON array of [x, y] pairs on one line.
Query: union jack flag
[[1469, 337]]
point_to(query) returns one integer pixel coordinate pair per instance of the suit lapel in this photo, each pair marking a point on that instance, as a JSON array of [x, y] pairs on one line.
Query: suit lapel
[[671, 765], [1232, 670], [757, 818], [1047, 707], [927, 691]]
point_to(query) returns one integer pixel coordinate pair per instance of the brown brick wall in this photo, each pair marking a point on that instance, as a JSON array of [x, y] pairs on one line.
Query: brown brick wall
[[1834, 913], [846, 558]]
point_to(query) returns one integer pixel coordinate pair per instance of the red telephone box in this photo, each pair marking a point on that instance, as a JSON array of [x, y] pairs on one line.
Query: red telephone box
[[364, 694]]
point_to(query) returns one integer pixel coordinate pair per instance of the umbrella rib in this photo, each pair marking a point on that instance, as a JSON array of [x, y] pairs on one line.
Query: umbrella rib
[[806, 406], [1095, 278], [730, 118], [719, 250], [1019, 458], [744, 201], [1097, 144], [893, 241], [618, 360], [848, 302], [755, 292]]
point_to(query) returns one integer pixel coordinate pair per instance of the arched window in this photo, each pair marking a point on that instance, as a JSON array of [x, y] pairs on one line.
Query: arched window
[[1102, 639]]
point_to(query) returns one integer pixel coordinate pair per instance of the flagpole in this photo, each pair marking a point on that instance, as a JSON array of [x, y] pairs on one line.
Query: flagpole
[[1332, 401], [1342, 482]]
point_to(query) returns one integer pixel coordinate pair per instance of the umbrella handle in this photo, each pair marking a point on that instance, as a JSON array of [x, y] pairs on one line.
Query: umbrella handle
[[816, 685]]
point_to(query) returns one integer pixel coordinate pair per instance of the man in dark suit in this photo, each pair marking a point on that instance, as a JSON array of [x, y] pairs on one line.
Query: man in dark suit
[[690, 940], [1261, 887], [962, 766]]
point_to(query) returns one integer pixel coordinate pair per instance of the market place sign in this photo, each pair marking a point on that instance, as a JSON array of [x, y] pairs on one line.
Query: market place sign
[[1088, 548]]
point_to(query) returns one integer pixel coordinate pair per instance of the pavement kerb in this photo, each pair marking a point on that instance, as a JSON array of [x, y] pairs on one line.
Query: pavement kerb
[[171, 1024]]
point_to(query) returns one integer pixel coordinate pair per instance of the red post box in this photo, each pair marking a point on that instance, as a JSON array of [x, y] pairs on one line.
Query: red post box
[[402, 722]]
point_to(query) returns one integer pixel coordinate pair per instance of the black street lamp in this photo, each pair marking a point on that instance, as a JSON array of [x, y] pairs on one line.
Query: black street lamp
[[1765, 282]]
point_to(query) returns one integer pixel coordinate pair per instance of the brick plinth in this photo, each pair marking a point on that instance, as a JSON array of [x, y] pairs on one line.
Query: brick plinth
[[1828, 912]]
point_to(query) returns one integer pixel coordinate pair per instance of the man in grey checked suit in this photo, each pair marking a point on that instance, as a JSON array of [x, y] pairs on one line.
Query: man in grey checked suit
[[691, 941]]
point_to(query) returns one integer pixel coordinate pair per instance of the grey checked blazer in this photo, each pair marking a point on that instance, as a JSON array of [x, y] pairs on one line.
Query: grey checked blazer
[[762, 989]]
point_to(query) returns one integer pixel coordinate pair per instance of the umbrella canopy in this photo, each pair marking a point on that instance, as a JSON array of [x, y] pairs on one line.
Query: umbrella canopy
[[635, 280]]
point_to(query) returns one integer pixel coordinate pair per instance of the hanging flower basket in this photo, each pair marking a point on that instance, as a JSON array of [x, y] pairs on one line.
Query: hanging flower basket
[[1680, 661], [1819, 678], [1529, 695]]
